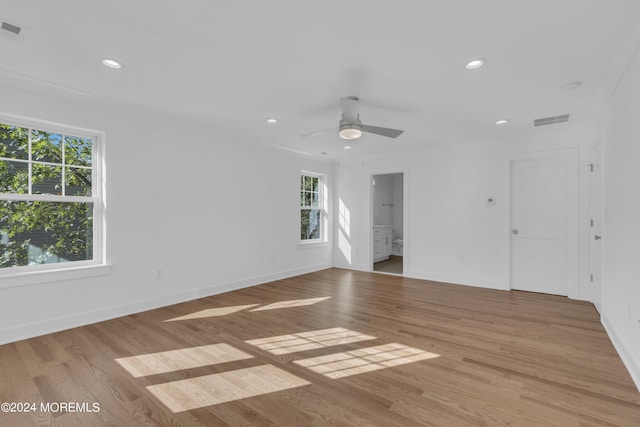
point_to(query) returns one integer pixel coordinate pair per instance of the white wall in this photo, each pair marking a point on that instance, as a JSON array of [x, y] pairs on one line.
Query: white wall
[[211, 213], [453, 236], [383, 195], [620, 136]]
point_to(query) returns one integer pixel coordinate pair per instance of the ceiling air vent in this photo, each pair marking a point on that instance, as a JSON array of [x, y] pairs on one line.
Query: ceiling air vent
[[551, 120], [11, 31]]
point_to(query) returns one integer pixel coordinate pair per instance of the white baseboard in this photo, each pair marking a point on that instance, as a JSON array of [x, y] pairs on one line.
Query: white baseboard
[[456, 280], [30, 330], [630, 362], [356, 267], [435, 277]]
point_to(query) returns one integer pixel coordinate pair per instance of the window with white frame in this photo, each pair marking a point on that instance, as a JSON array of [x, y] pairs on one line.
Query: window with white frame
[[312, 206], [49, 200]]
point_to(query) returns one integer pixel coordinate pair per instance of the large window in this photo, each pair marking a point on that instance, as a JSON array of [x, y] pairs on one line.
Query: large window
[[312, 205], [48, 198]]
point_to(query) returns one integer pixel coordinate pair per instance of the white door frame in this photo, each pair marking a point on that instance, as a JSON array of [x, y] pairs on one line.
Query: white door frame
[[595, 226], [405, 215], [573, 214]]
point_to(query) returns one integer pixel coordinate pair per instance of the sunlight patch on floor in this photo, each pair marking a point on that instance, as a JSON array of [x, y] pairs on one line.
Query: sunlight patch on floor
[[340, 365], [212, 312], [176, 360], [292, 303], [193, 393], [302, 341]]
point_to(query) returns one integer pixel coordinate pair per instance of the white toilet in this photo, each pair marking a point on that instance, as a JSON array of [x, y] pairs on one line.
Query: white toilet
[[396, 247]]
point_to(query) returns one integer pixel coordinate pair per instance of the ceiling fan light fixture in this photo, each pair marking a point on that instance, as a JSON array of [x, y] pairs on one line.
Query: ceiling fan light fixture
[[350, 125], [350, 131]]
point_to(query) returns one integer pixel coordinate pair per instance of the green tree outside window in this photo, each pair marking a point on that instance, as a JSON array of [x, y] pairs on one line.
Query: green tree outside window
[[40, 163]]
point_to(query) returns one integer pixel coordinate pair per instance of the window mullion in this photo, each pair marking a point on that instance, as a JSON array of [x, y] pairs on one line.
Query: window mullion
[[48, 198], [96, 162], [64, 175], [29, 160]]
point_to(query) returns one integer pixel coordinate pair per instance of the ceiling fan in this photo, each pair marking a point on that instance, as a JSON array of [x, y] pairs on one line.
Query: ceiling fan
[[350, 125]]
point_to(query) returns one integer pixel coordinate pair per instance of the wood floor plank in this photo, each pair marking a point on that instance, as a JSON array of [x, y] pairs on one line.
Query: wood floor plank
[[16, 382], [352, 345]]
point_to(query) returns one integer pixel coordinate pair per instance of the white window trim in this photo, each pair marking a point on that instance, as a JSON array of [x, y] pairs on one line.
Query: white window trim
[[43, 273], [323, 240], [308, 244], [15, 280]]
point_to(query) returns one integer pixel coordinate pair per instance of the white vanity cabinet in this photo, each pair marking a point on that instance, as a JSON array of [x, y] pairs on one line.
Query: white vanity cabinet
[[381, 242]]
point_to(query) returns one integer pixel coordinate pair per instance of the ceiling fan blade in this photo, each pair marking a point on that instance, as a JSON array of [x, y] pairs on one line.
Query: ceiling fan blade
[[318, 132], [390, 133], [350, 108]]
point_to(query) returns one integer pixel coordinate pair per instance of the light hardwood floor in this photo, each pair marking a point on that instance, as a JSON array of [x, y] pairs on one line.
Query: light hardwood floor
[[331, 348]]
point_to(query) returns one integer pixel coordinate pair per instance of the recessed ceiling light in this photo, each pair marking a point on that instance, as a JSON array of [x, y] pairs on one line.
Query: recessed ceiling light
[[572, 85], [272, 121], [347, 147], [476, 63], [112, 63], [502, 121]]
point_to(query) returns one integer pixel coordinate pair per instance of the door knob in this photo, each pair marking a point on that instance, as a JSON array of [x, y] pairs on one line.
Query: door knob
[[596, 237], [514, 231]]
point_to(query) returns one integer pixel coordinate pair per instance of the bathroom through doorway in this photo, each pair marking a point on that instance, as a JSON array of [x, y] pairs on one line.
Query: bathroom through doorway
[[387, 234]]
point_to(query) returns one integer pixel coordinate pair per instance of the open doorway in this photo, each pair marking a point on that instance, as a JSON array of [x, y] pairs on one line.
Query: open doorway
[[387, 237]]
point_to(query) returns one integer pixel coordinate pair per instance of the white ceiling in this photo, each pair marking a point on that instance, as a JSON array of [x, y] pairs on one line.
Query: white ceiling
[[235, 63]]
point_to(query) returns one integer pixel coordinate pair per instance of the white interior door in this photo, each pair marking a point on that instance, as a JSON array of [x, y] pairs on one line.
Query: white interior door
[[539, 225], [595, 213]]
